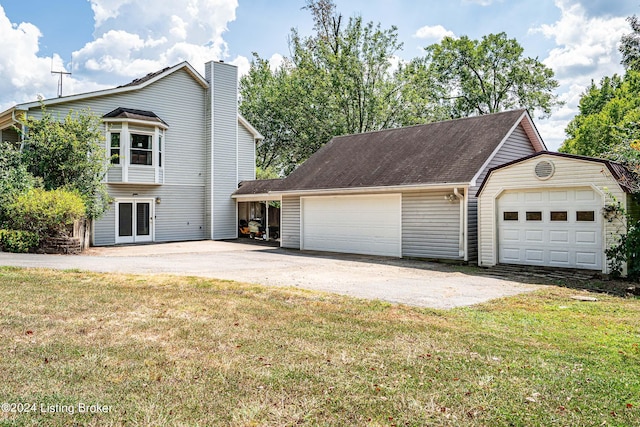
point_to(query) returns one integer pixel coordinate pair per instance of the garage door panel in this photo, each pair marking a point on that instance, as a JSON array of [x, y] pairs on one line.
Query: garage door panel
[[559, 257], [558, 236], [534, 255], [357, 224], [534, 236], [563, 242]]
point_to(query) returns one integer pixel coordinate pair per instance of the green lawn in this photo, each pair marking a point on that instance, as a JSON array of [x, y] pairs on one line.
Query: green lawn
[[163, 350]]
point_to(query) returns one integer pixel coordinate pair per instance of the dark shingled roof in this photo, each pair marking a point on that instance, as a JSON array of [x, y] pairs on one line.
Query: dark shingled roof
[[141, 80], [259, 186], [626, 179], [451, 151], [130, 113]]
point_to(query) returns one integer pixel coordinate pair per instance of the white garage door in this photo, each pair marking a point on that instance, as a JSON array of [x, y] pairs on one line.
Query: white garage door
[[561, 228], [352, 224]]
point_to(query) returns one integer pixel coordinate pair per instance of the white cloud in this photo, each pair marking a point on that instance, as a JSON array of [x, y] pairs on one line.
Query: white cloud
[[587, 49], [586, 46], [133, 39], [435, 32], [480, 2]]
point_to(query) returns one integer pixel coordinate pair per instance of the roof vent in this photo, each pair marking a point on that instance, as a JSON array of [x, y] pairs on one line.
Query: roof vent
[[544, 169]]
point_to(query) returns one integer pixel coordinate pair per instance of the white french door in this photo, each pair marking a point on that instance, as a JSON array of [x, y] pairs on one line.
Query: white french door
[[134, 220]]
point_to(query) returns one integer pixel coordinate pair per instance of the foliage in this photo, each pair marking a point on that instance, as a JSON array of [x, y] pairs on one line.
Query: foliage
[[266, 173], [608, 118], [630, 45], [14, 176], [626, 249], [68, 154], [18, 241], [338, 81], [473, 77], [47, 213]]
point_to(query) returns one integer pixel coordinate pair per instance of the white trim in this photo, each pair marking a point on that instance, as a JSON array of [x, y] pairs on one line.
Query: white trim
[[134, 201], [146, 123], [256, 135], [211, 118]]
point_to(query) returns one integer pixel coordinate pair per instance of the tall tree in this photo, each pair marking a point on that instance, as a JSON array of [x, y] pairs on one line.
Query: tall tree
[[609, 114], [630, 45], [472, 77], [338, 81]]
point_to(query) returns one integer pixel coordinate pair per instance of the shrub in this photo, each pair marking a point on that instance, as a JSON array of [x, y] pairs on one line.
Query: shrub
[[18, 241], [46, 213]]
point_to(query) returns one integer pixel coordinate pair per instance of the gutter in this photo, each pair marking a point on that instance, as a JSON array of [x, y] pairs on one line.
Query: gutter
[[376, 189], [462, 233]]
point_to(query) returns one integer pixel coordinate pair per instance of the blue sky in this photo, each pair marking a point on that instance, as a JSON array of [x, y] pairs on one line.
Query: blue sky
[[106, 43]]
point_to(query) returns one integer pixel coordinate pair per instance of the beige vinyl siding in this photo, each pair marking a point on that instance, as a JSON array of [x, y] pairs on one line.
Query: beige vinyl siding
[[224, 80], [290, 222], [246, 155], [569, 173], [515, 147], [179, 215], [430, 225]]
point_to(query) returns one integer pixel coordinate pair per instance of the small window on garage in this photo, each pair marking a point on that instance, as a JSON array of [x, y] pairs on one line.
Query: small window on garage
[[558, 215], [534, 216], [510, 216], [587, 216]]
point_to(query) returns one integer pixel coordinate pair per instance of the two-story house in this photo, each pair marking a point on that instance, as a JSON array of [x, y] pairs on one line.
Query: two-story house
[[179, 148]]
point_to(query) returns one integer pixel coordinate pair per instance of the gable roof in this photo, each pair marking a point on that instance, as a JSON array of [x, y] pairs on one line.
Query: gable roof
[[625, 178], [447, 152]]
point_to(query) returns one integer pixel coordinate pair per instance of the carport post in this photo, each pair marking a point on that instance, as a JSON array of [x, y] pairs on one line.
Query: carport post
[[266, 207]]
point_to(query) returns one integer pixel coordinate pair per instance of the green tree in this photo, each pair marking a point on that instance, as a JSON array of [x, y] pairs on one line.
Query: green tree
[[68, 154], [608, 118], [630, 45], [337, 81], [471, 77], [14, 177]]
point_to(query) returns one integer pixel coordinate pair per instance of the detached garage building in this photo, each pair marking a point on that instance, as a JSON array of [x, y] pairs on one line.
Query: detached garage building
[[547, 210], [408, 192]]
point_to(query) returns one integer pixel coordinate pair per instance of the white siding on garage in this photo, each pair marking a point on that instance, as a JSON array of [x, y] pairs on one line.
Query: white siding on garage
[[515, 147], [569, 174], [363, 224], [290, 222], [430, 225]]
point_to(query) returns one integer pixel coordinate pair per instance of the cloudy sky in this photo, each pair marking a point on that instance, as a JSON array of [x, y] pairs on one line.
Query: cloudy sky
[[105, 43]]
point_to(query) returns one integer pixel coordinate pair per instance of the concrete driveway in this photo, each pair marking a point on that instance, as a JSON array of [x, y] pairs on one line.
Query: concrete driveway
[[403, 281]]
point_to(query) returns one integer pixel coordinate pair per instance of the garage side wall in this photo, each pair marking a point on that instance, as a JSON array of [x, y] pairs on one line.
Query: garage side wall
[[430, 225], [290, 222], [569, 173]]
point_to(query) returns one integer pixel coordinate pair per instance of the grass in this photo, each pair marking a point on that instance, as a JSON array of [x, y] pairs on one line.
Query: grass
[[163, 350]]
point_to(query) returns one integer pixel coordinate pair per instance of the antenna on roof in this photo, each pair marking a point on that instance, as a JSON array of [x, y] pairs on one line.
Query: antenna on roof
[[61, 73]]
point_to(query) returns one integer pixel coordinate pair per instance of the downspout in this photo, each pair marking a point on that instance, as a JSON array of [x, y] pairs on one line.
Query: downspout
[[461, 251]]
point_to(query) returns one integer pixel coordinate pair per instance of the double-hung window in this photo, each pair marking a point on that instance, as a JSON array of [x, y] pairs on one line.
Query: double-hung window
[[141, 149], [115, 148]]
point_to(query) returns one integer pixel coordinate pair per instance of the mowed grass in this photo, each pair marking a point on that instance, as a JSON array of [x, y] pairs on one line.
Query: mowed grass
[[163, 350]]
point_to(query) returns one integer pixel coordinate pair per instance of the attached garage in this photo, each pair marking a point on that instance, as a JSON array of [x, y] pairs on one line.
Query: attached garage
[[362, 224], [547, 210]]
